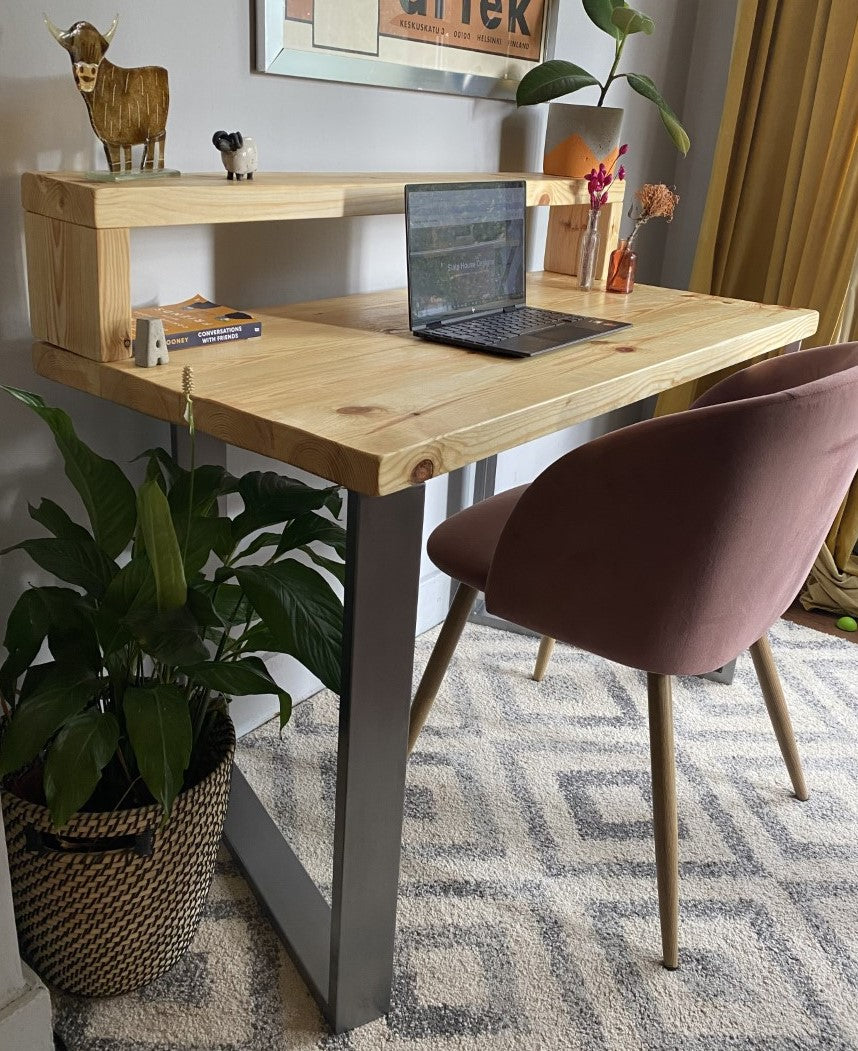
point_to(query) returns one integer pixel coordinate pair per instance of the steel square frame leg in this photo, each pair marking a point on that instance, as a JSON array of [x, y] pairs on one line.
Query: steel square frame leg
[[345, 952]]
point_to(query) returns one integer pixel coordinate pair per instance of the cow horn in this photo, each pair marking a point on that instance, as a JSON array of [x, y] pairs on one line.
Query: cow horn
[[108, 36], [56, 32]]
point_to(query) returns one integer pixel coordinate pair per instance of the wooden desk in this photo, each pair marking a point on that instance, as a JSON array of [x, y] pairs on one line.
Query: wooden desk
[[339, 388]]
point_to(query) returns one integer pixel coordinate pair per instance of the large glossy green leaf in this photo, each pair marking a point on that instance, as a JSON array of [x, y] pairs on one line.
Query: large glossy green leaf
[[72, 637], [113, 635], [61, 615], [107, 494], [173, 637], [162, 546], [159, 460], [26, 630], [209, 482], [133, 587], [629, 21], [78, 562], [259, 543], [599, 12], [202, 609], [52, 703], [336, 569], [206, 535], [258, 639], [644, 86], [240, 678], [270, 498], [230, 603], [551, 80], [302, 613], [55, 519], [310, 527], [75, 760], [159, 728]]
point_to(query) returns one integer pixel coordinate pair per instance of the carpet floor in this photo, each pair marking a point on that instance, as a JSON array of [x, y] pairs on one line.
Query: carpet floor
[[527, 915]]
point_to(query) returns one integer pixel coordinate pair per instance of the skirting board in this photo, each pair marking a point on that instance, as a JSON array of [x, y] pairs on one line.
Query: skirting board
[[25, 1023]]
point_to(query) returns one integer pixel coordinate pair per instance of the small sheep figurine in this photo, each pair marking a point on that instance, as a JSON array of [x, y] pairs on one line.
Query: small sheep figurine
[[238, 154]]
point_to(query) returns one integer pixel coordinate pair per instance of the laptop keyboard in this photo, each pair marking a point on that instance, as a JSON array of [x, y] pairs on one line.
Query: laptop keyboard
[[498, 328]]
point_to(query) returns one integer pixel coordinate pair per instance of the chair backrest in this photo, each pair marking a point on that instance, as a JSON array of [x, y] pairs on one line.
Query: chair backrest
[[674, 544]]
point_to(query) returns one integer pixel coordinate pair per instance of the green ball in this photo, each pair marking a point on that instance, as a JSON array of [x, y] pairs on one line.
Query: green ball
[[847, 624]]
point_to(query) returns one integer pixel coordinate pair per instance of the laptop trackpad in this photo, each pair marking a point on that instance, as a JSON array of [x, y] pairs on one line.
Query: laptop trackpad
[[550, 339]]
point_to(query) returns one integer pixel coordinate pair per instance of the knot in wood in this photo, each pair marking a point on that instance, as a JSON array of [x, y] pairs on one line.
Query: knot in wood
[[422, 471]]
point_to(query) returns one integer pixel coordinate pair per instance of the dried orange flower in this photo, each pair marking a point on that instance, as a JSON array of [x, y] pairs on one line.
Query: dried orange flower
[[654, 201]]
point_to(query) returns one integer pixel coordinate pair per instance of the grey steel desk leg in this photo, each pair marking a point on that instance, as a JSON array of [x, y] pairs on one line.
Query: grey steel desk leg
[[723, 674], [345, 953], [484, 487], [382, 580]]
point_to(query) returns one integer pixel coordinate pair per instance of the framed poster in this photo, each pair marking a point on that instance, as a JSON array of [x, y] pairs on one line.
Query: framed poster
[[462, 47]]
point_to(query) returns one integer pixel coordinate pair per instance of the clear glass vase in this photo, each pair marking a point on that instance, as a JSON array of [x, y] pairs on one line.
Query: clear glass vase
[[622, 267], [588, 251]]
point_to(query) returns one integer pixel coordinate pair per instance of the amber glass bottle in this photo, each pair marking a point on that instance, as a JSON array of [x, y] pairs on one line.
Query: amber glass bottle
[[621, 270]]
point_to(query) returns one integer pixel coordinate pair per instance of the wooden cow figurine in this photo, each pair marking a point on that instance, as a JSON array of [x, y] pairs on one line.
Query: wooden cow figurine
[[126, 106]]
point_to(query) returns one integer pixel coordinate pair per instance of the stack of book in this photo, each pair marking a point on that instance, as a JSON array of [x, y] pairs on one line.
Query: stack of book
[[197, 321]]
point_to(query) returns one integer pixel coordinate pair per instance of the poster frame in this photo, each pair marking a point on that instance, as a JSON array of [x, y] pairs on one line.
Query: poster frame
[[273, 57]]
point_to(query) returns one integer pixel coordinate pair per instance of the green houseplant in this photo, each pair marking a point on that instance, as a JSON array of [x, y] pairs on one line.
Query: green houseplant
[[555, 78], [168, 607]]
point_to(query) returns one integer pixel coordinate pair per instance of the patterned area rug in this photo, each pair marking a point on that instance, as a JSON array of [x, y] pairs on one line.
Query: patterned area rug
[[527, 915]]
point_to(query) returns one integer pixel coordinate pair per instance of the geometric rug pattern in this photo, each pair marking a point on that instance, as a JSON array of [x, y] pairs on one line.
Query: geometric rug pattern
[[527, 913]]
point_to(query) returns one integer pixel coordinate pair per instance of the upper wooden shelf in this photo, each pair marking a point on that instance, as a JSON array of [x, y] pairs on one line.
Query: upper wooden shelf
[[188, 199], [78, 231]]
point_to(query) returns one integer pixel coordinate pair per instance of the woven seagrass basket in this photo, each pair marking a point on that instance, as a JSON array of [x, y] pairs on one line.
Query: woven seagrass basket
[[113, 901]]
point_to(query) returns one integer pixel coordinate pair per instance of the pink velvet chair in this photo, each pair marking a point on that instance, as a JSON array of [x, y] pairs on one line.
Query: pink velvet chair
[[670, 546]]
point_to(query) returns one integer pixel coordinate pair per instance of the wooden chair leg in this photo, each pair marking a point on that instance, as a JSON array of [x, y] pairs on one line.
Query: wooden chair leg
[[773, 694], [444, 649], [546, 648], [664, 813]]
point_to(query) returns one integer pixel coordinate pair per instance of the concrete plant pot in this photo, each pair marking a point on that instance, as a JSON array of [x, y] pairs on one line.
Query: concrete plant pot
[[580, 138]]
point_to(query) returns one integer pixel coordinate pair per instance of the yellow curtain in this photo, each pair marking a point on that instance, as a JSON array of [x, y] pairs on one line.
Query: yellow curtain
[[781, 217]]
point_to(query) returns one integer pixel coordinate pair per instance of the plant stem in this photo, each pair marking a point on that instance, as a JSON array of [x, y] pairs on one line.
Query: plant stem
[[225, 636], [200, 716], [125, 769], [125, 794], [193, 438], [612, 75]]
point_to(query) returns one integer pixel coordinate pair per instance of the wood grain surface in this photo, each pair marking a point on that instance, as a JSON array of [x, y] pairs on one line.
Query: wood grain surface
[[188, 199], [79, 284], [340, 388]]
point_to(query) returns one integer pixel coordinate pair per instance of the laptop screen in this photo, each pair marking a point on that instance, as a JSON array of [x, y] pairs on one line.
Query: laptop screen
[[465, 248]]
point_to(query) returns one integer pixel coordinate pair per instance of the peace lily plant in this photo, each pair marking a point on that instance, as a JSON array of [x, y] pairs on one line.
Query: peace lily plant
[[550, 80], [169, 605]]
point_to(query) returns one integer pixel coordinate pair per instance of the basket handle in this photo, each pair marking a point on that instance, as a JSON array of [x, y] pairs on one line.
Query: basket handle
[[39, 842]]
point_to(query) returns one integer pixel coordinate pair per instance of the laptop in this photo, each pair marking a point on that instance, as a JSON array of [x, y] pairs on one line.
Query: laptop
[[466, 266]]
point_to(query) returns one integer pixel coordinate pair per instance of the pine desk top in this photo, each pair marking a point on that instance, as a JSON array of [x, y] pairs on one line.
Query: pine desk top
[[340, 388]]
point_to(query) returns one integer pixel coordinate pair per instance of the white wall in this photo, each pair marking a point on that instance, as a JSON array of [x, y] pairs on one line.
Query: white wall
[[299, 125]]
